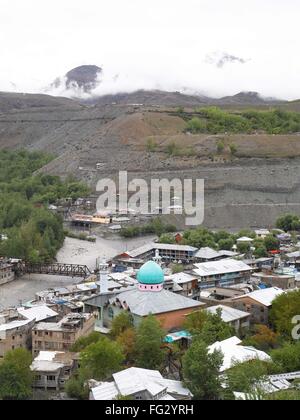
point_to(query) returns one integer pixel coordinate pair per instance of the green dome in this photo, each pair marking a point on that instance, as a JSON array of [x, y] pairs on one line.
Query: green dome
[[150, 273]]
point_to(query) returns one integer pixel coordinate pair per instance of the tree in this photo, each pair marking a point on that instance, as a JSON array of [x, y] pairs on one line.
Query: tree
[[243, 247], [201, 371], [99, 360], [148, 343], [264, 338], [120, 323], [16, 378], [127, 341], [244, 377], [287, 358], [208, 327], [271, 243], [83, 342], [284, 308], [288, 222], [233, 149]]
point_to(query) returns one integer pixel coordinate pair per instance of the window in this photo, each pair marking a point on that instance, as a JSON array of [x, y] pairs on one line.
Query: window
[[51, 378], [110, 313]]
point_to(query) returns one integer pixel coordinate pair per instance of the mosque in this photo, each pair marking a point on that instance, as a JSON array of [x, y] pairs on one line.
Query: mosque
[[150, 297]]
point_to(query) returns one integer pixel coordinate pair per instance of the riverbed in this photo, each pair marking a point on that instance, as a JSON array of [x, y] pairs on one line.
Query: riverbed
[[74, 251]]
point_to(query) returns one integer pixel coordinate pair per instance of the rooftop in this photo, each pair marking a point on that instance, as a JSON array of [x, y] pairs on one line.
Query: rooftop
[[133, 380], [143, 303], [224, 266], [233, 352], [228, 314], [263, 296]]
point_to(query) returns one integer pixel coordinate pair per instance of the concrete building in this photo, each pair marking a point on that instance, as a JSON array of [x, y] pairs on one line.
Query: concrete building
[[187, 282], [207, 254], [15, 334], [52, 369], [257, 303], [282, 281], [6, 272], [139, 384], [222, 273], [62, 335], [148, 297], [168, 253], [235, 318]]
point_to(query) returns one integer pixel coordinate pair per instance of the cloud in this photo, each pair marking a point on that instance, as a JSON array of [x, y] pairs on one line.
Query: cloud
[[221, 58], [201, 45]]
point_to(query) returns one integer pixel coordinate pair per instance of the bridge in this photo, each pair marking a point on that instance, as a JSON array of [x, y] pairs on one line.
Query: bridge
[[56, 269]]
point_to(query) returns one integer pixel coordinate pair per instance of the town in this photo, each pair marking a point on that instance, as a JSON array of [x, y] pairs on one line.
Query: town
[[163, 321]]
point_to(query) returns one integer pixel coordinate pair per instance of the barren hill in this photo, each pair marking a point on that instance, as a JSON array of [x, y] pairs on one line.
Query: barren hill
[[249, 189]]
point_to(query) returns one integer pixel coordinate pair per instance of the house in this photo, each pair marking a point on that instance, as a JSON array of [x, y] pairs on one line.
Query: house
[[168, 253], [207, 254], [272, 279], [222, 273], [6, 272], [38, 313], [262, 233], [244, 240], [257, 303], [15, 334], [60, 336], [234, 353], [140, 384], [52, 369], [187, 282], [234, 317], [147, 297]]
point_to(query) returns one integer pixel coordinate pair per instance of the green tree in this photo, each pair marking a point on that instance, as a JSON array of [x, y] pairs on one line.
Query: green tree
[[16, 378], [208, 327], [220, 146], [288, 222], [148, 343], [83, 342], [284, 308], [127, 341], [201, 371], [99, 360], [120, 323], [271, 243], [287, 358], [244, 377]]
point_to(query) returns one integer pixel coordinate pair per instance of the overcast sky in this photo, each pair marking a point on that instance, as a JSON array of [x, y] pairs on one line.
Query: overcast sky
[[215, 47]]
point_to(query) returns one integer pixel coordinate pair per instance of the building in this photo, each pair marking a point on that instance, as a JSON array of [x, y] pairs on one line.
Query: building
[[148, 297], [6, 272], [187, 282], [168, 253], [282, 281], [62, 335], [233, 353], [41, 313], [262, 233], [234, 317], [207, 254], [257, 303], [222, 273], [15, 334], [139, 384], [52, 369]]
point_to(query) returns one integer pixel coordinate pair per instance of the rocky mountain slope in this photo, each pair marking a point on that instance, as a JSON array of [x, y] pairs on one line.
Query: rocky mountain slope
[[250, 189]]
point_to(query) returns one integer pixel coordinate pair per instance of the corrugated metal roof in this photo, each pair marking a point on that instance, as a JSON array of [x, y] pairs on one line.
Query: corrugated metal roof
[[143, 303], [228, 314], [263, 296], [39, 313], [224, 266]]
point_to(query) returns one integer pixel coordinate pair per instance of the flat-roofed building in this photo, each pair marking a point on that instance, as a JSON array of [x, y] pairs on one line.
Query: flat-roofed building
[[258, 303], [222, 273], [52, 369], [62, 335], [15, 334]]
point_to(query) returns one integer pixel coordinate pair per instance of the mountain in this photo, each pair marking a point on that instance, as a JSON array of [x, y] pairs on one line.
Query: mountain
[[248, 98], [78, 81]]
